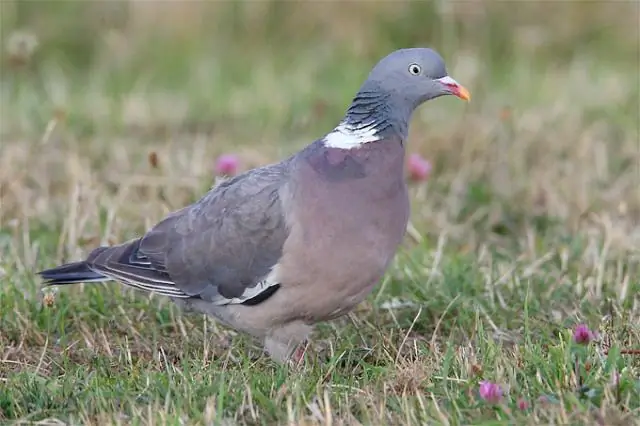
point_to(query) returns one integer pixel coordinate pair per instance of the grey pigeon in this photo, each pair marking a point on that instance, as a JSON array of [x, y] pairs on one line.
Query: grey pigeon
[[279, 248]]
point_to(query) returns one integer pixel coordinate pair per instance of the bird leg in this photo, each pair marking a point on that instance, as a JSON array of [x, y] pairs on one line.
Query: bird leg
[[281, 342], [298, 354]]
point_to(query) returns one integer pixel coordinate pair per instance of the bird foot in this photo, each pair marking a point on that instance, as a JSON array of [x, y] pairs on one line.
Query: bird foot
[[296, 360], [298, 355]]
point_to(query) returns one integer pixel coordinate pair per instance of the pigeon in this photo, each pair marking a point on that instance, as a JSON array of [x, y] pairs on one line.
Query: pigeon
[[277, 249]]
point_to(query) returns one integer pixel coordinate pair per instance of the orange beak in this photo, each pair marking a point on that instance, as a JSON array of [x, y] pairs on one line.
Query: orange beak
[[455, 88]]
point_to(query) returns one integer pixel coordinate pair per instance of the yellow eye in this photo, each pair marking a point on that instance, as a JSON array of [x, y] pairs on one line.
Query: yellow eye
[[415, 69]]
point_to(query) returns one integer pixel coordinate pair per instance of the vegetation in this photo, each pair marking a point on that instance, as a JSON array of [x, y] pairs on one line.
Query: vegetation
[[113, 115]]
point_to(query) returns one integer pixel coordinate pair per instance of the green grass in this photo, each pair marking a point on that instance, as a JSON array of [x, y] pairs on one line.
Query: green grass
[[527, 226]]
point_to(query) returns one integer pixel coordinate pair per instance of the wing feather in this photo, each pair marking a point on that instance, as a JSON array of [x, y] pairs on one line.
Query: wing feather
[[224, 248]]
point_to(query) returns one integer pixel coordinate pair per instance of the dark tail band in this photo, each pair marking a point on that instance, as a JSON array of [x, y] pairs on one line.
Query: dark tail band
[[71, 273]]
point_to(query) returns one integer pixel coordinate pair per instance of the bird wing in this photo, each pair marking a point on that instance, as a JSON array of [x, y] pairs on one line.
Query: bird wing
[[223, 248]]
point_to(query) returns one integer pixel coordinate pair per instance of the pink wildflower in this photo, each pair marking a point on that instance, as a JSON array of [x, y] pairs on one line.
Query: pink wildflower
[[490, 392], [582, 334], [227, 164], [523, 404], [418, 167]]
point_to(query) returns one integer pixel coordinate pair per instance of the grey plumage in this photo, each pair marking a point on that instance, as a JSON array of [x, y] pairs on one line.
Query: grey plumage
[[281, 247]]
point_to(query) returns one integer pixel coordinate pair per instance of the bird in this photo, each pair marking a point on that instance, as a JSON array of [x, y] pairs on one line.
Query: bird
[[277, 249]]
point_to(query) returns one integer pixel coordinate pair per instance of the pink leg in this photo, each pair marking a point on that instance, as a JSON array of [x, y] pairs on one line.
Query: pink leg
[[298, 355]]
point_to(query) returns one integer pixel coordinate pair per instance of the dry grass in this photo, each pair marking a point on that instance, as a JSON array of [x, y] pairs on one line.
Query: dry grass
[[529, 224]]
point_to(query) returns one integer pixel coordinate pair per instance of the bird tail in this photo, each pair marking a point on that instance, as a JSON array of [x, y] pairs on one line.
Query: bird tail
[[71, 273], [123, 263]]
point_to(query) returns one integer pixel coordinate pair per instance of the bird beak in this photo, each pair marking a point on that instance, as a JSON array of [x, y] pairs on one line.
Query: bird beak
[[455, 88]]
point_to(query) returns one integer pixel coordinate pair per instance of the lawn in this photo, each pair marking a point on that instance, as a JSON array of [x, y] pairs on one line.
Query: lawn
[[526, 231]]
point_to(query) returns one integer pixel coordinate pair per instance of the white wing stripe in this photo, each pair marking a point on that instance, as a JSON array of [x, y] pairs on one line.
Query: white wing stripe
[[251, 292]]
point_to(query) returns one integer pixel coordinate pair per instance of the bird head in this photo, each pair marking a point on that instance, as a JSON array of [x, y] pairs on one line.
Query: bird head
[[413, 76]]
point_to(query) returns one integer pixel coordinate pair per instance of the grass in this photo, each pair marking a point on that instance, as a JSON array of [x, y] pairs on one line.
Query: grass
[[529, 224]]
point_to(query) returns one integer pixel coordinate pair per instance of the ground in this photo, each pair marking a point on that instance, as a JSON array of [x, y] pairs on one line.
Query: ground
[[113, 115]]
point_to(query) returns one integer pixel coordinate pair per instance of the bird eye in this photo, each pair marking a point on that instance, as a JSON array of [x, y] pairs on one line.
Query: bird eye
[[415, 69]]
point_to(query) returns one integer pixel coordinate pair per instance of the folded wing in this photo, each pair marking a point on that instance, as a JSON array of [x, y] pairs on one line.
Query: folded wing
[[223, 248]]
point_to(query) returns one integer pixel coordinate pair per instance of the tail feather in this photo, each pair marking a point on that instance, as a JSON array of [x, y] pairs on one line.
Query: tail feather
[[71, 273], [122, 263]]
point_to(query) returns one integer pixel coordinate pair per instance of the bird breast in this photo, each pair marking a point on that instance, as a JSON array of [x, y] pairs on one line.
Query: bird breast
[[343, 232]]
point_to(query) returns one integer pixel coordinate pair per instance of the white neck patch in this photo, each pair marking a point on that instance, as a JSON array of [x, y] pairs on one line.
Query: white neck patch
[[344, 136]]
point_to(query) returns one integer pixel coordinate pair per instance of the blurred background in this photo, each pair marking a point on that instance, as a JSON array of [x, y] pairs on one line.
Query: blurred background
[[113, 112]]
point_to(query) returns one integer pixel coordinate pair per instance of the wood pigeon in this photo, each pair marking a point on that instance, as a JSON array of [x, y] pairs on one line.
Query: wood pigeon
[[279, 248]]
